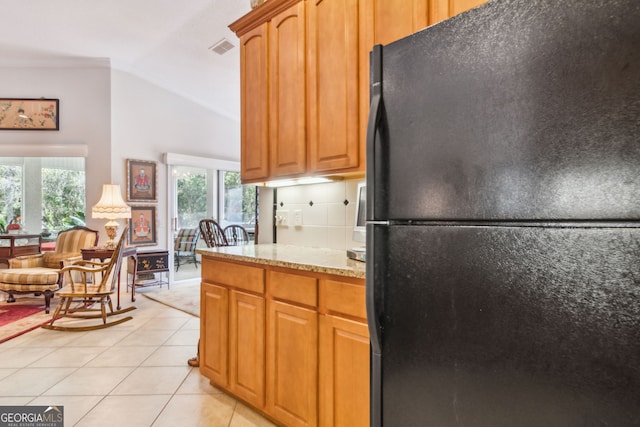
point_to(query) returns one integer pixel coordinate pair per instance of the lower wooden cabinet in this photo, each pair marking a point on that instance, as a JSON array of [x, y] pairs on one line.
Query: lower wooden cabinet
[[232, 329], [293, 345], [293, 364], [214, 319], [247, 347], [344, 363]]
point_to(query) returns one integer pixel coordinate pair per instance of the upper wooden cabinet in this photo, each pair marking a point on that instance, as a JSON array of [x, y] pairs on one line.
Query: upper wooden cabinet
[[305, 79], [254, 149], [273, 114], [333, 85], [309, 125], [287, 91], [392, 20], [439, 10]]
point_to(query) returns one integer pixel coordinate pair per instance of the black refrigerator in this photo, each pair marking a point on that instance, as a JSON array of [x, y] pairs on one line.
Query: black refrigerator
[[503, 218]]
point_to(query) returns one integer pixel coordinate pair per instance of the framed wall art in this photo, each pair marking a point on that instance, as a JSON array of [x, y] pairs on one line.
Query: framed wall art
[[142, 226], [29, 114], [141, 180]]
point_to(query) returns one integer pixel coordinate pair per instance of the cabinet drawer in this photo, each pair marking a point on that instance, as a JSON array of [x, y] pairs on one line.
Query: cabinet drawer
[[294, 288], [235, 275], [343, 297]]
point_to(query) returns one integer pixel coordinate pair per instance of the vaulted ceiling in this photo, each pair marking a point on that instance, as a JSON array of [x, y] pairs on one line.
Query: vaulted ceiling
[[165, 42]]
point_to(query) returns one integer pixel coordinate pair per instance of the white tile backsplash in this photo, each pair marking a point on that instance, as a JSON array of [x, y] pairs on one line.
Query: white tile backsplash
[[315, 215], [335, 192], [337, 237], [328, 222], [336, 214]]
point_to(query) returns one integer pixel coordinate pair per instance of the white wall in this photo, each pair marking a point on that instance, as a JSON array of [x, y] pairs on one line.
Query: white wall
[[118, 117], [84, 91], [265, 214], [326, 220], [149, 121]]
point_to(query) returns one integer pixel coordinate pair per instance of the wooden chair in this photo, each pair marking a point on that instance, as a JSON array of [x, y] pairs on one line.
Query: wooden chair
[[236, 235], [90, 283], [212, 233], [40, 273], [184, 248]]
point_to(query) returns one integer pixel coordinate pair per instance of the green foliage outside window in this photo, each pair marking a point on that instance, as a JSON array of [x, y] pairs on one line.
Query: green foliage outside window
[[10, 194], [236, 202], [63, 199], [192, 199]]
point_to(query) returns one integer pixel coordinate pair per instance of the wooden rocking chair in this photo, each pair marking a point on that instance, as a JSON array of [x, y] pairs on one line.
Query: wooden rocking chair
[[89, 283]]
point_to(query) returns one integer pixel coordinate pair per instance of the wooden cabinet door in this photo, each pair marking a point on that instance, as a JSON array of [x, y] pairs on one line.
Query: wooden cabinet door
[[254, 148], [344, 367], [214, 318], [292, 376], [287, 83], [395, 19], [439, 10], [332, 85], [247, 347], [384, 21]]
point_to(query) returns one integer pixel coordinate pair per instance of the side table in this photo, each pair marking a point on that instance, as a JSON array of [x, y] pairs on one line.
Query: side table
[[152, 262], [103, 253], [13, 245]]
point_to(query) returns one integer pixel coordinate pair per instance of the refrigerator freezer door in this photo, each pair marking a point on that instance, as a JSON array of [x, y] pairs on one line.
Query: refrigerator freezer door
[[515, 110], [509, 326]]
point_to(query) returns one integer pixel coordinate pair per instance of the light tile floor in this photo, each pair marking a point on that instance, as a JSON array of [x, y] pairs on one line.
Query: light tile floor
[[131, 374]]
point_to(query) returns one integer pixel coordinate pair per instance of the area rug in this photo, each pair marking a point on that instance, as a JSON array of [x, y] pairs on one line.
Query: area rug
[[11, 313], [184, 297], [22, 316]]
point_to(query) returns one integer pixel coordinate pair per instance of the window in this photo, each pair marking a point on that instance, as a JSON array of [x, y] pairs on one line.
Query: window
[[42, 192], [191, 192], [63, 198], [10, 194], [237, 201], [202, 192]]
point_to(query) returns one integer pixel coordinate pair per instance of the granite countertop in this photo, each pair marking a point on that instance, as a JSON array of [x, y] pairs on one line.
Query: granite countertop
[[319, 260]]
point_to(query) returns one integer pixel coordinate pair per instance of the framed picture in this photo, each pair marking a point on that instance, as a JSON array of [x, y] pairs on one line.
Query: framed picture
[[141, 180], [29, 114], [142, 226]]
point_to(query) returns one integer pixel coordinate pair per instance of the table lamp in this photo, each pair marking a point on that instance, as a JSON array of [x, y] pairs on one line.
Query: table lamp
[[112, 207]]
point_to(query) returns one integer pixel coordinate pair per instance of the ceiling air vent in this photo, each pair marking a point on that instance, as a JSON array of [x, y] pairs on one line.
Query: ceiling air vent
[[221, 47]]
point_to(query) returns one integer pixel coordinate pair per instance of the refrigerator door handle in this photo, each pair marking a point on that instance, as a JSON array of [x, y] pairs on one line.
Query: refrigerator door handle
[[372, 293], [375, 304], [375, 114]]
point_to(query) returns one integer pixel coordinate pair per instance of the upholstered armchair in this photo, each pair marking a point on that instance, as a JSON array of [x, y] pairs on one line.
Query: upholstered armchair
[[40, 273]]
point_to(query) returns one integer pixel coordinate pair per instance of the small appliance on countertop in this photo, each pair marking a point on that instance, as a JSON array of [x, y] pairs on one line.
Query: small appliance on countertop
[[358, 254]]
